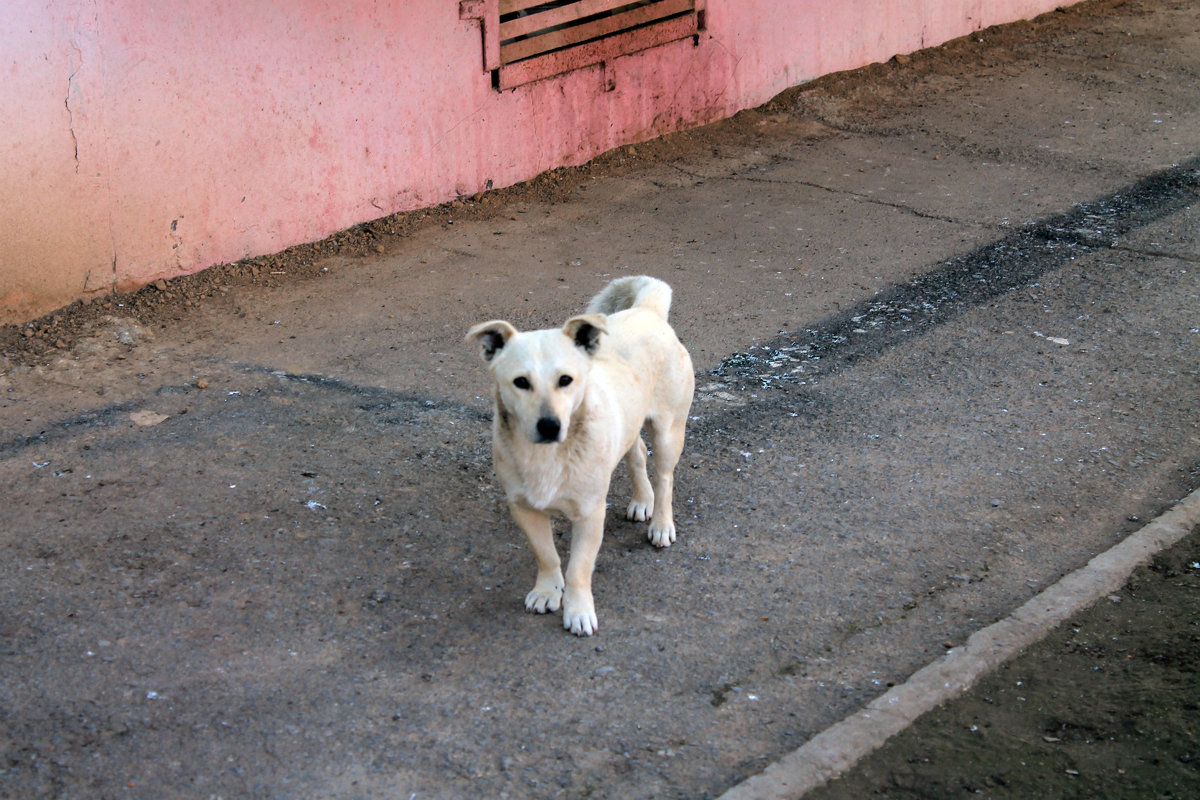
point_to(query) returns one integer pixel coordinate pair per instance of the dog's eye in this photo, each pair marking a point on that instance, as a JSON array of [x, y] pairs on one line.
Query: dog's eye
[[565, 380], [522, 383]]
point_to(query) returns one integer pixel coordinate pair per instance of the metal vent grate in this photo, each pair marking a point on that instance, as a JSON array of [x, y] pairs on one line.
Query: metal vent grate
[[538, 38]]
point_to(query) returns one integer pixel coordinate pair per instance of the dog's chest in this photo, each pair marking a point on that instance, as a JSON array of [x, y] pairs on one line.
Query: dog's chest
[[545, 484], [541, 484]]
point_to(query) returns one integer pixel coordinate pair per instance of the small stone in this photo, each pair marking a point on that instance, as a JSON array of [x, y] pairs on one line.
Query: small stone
[[202, 383], [146, 417], [161, 285]]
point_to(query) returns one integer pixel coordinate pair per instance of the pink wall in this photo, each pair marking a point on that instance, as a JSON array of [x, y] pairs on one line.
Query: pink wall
[[144, 139]]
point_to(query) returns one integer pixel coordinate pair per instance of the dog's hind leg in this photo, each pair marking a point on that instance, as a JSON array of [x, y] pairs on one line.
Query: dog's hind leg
[[641, 505], [667, 439], [547, 591], [579, 609]]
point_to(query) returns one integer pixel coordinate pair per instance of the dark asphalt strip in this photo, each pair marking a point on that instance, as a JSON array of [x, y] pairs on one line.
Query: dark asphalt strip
[[404, 406], [906, 310], [62, 429], [374, 398], [893, 316]]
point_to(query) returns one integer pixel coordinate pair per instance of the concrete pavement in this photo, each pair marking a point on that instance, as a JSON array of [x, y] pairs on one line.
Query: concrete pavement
[[944, 314]]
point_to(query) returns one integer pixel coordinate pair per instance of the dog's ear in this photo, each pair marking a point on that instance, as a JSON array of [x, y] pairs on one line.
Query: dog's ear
[[492, 336], [585, 331]]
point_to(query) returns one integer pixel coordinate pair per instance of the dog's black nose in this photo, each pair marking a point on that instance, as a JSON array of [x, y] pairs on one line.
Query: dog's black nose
[[548, 428]]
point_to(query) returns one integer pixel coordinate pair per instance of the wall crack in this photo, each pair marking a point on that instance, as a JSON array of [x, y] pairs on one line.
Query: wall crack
[[67, 101]]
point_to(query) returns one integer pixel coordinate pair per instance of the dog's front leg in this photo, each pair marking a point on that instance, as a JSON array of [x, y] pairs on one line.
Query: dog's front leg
[[579, 610], [547, 591]]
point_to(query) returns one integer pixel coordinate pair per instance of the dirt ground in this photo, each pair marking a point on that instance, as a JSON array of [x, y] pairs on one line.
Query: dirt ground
[[944, 316], [1104, 707]]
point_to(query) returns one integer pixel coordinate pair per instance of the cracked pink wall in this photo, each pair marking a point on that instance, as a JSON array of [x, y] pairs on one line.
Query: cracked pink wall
[[143, 139]]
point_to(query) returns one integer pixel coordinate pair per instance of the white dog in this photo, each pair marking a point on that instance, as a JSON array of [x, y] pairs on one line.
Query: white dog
[[570, 403]]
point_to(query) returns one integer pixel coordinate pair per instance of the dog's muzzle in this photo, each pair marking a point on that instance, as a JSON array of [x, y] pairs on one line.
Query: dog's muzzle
[[548, 429]]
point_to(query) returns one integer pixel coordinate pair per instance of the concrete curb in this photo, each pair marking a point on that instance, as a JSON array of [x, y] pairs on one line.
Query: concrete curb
[[836, 749]]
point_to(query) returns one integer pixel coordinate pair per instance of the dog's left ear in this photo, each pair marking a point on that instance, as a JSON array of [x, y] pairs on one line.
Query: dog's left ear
[[585, 331], [492, 336]]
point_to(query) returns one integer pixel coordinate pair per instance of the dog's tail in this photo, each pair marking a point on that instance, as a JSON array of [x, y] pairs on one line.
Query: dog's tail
[[640, 291]]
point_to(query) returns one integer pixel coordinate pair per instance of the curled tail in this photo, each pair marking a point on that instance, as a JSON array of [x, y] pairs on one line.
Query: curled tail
[[640, 291]]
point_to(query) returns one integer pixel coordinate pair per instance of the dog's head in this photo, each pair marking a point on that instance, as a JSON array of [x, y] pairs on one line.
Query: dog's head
[[541, 375]]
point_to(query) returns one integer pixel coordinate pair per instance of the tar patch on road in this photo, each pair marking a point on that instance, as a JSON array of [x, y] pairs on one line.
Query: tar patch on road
[[959, 284], [799, 357]]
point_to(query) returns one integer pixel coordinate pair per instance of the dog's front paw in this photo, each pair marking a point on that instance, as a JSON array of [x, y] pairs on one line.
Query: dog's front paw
[[661, 535], [544, 597], [579, 615], [639, 512]]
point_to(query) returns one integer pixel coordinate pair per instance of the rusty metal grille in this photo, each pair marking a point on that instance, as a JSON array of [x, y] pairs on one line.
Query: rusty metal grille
[[540, 38]]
